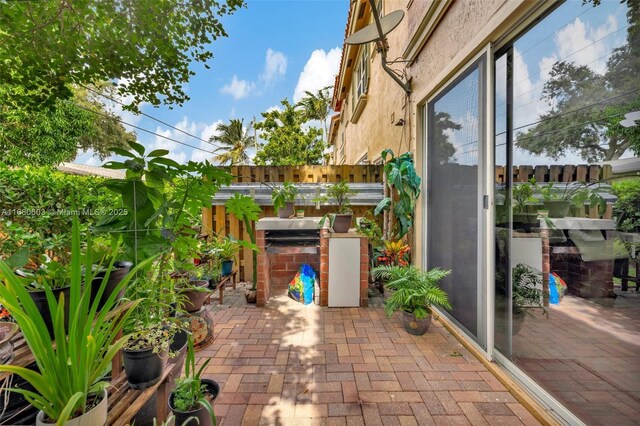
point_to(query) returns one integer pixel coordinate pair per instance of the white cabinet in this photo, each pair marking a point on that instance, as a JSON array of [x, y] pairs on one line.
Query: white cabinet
[[344, 272]]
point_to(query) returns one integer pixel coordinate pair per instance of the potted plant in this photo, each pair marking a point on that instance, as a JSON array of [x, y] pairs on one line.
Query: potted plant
[[195, 289], [283, 198], [145, 354], [339, 195], [557, 199], [526, 295], [299, 213], [150, 329], [416, 291], [522, 194], [394, 253], [69, 387], [193, 396], [37, 279], [225, 250]]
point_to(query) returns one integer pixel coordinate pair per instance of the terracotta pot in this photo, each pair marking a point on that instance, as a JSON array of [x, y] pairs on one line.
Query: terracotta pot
[[97, 416], [342, 223], [195, 298]]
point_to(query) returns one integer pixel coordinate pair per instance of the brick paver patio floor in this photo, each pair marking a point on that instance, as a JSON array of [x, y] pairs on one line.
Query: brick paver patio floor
[[289, 364]]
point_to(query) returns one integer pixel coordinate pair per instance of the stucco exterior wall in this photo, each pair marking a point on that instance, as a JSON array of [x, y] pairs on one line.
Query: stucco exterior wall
[[463, 29]]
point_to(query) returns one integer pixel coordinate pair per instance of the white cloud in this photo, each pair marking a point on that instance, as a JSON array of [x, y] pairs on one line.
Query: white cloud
[[274, 108], [275, 65], [319, 71], [585, 45], [238, 88]]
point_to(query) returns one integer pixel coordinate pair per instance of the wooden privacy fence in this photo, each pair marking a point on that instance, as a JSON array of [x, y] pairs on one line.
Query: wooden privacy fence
[[566, 173], [217, 220]]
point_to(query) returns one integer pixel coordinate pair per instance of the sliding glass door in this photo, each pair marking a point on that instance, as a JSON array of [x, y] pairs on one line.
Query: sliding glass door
[[454, 194]]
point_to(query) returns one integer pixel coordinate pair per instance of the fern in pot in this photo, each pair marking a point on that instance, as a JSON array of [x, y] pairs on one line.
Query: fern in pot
[[69, 386], [415, 292]]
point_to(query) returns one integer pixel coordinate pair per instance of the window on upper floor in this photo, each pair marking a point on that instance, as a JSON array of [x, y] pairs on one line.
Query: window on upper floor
[[360, 83]]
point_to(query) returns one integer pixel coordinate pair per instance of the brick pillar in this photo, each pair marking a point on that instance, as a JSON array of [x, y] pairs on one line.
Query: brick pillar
[[546, 265], [324, 267], [262, 286], [364, 272]]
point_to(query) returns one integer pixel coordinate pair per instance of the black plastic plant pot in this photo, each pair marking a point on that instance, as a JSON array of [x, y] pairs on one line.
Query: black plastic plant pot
[[188, 418], [143, 368], [179, 346], [16, 409], [120, 270], [227, 267], [40, 299]]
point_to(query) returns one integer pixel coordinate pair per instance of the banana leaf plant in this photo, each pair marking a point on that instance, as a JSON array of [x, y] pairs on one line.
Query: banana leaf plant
[[401, 177], [72, 370]]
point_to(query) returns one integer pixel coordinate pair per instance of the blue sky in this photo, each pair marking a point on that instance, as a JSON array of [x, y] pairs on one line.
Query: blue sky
[[275, 50]]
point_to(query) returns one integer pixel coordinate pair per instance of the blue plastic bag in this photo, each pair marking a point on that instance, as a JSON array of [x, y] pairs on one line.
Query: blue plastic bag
[[302, 286]]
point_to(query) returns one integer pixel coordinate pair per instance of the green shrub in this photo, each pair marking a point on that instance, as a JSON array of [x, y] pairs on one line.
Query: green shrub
[[37, 206], [627, 207]]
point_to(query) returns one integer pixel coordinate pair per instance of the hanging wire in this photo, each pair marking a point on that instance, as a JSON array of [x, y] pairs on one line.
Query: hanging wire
[[142, 129], [148, 116]]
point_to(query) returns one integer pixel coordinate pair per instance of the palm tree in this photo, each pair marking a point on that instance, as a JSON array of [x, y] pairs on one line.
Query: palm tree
[[234, 141], [316, 106]]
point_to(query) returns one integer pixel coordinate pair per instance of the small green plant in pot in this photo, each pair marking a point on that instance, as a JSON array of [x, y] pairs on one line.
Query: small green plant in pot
[[523, 198], [69, 387], [415, 292], [283, 198], [339, 195], [526, 295], [150, 328], [226, 249], [191, 400], [557, 198]]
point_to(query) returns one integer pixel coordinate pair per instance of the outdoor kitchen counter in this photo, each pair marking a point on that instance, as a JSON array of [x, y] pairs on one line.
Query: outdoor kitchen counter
[[296, 223]]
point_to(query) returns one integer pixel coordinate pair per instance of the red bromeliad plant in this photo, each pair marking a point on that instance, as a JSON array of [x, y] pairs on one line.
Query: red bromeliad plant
[[395, 253]]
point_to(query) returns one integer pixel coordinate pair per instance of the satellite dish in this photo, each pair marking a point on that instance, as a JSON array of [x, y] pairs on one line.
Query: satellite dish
[[370, 32]]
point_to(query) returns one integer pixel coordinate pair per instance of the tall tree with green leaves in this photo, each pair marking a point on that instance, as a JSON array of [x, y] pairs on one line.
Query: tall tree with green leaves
[[235, 142], [50, 135], [288, 144], [316, 106], [149, 46], [587, 107]]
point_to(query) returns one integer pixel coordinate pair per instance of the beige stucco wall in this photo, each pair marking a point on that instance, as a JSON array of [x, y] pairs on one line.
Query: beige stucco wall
[[466, 28]]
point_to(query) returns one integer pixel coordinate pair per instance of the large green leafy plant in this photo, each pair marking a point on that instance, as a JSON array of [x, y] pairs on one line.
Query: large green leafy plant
[[161, 199], [415, 290], [404, 189], [72, 370], [283, 194]]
